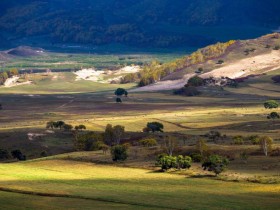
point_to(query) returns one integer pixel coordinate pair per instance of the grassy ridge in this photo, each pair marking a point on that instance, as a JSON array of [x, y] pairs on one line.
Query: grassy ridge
[[135, 186]]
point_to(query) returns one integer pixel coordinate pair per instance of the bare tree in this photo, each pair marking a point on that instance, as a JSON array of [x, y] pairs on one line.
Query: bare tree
[[201, 146], [266, 144], [170, 144], [118, 131]]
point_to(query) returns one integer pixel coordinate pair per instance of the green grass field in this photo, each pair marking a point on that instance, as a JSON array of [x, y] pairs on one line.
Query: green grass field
[[78, 61], [65, 182]]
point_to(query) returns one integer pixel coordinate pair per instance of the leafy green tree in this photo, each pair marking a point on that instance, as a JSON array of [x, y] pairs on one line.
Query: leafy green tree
[[271, 104], [119, 153], [121, 92], [51, 124], [184, 162], [80, 127], [88, 141], [215, 163], [155, 126], [273, 116], [67, 127], [167, 162], [59, 124]]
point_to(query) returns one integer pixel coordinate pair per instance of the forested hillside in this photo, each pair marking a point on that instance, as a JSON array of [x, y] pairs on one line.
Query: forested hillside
[[158, 23]]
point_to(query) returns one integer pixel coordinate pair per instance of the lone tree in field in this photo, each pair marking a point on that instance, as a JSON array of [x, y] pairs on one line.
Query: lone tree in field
[[271, 104], [266, 144], [119, 93], [154, 127], [215, 163]]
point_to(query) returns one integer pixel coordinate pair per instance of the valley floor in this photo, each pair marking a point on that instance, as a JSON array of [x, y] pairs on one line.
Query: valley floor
[[64, 184]]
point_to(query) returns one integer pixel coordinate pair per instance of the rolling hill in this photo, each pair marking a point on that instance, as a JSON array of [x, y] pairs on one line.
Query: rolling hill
[[141, 23]]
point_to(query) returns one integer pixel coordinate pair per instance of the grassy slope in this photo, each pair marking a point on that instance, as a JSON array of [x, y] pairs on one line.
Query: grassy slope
[[132, 186]]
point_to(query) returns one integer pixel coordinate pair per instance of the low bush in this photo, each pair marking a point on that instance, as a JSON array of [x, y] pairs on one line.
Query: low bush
[[197, 158], [119, 153], [238, 140], [148, 142], [167, 162]]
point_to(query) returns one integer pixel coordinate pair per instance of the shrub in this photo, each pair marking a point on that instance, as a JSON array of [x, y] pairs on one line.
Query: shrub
[[238, 140], [148, 142], [271, 104], [184, 162], [195, 81], [244, 156], [220, 62], [119, 153], [213, 135], [18, 155], [44, 154], [273, 116], [67, 127], [255, 139], [118, 100], [277, 47], [167, 162], [187, 91], [4, 154], [199, 70], [215, 163], [276, 79], [197, 158]]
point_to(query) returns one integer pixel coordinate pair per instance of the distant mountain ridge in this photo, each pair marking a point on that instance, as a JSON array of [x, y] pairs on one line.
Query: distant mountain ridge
[[131, 22]]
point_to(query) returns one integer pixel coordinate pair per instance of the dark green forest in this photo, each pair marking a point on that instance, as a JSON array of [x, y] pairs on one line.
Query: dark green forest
[[141, 23]]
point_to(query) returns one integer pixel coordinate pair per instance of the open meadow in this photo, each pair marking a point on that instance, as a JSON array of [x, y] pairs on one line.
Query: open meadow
[[75, 180]]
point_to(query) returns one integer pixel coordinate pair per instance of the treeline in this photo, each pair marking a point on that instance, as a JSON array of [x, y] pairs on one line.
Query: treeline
[[7, 74], [155, 71]]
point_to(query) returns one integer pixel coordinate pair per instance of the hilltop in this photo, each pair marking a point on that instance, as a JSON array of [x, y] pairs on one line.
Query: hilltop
[[234, 59]]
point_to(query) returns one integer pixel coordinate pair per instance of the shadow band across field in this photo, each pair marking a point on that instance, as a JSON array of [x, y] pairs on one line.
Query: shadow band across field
[[56, 195]]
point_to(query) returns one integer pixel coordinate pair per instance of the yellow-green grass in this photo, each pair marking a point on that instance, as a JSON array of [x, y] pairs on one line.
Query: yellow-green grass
[[137, 187], [19, 201]]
